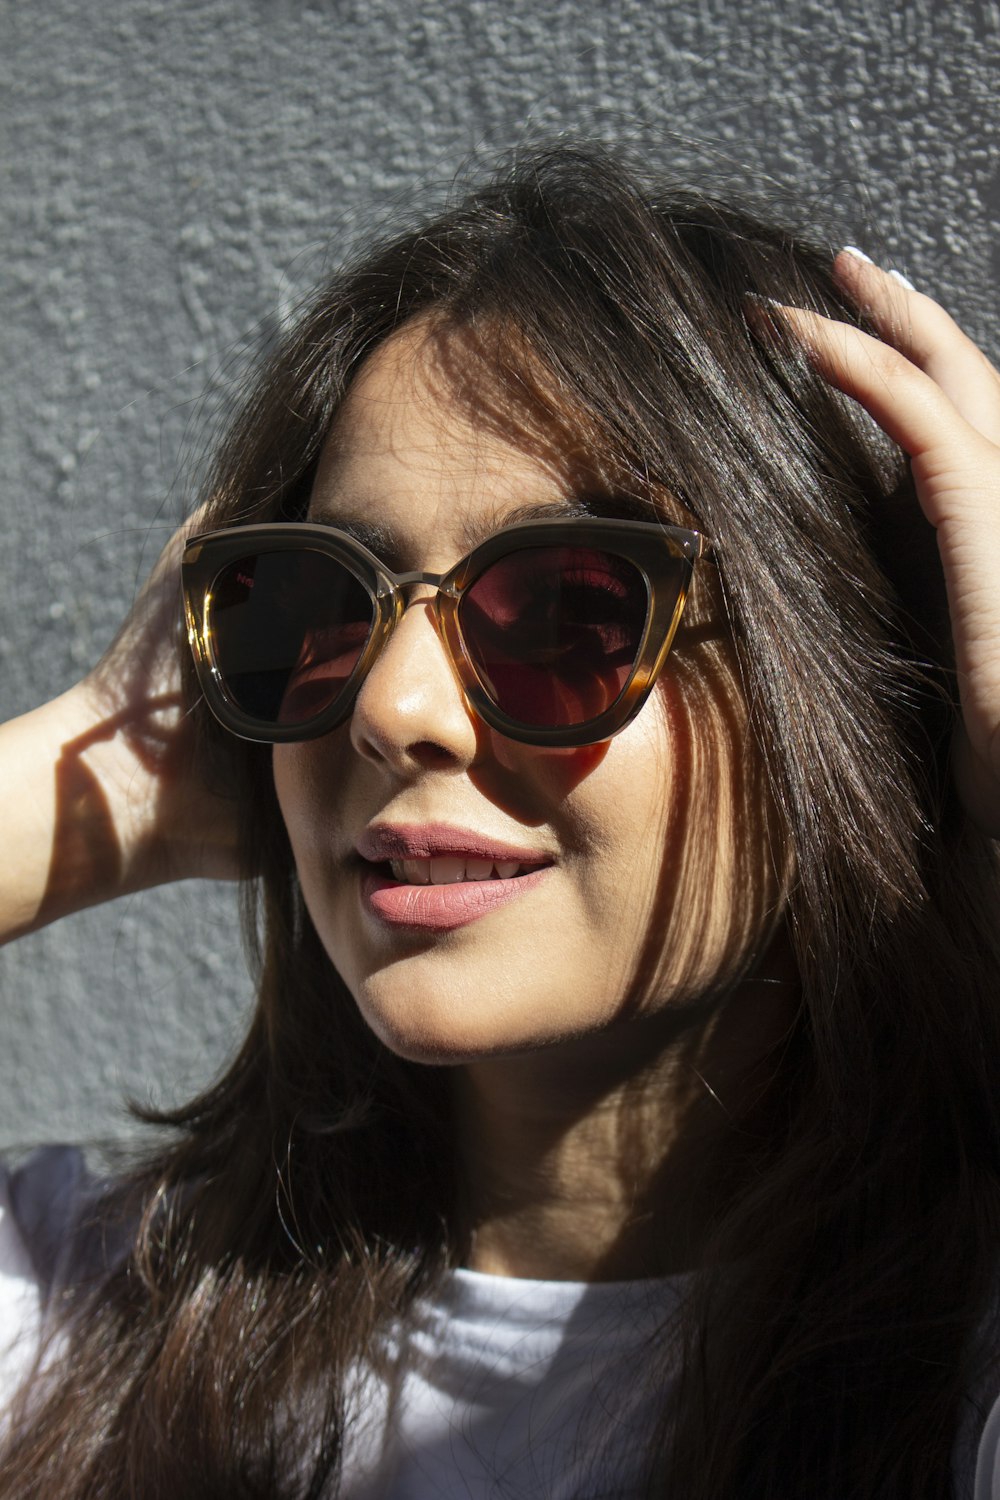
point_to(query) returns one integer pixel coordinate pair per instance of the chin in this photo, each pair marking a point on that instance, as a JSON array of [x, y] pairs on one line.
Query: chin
[[417, 1039], [442, 1030]]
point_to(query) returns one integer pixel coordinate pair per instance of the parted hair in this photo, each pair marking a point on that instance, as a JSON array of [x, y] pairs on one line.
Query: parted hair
[[836, 1344]]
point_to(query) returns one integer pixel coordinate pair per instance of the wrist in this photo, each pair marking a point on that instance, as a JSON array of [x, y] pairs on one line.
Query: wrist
[[61, 851], [141, 757], [101, 801]]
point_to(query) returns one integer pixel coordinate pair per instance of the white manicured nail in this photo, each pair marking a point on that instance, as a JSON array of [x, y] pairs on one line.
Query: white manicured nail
[[853, 250], [898, 276]]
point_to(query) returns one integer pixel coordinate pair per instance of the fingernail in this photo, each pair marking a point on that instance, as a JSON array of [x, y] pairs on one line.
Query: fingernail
[[898, 276], [860, 254]]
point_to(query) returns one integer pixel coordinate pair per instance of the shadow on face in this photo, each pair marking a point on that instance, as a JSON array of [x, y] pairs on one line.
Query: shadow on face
[[716, 900]]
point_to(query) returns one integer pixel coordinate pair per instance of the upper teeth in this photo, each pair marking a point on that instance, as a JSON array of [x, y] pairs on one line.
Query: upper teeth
[[447, 869]]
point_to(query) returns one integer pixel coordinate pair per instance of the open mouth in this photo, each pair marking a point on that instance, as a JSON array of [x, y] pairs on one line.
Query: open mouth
[[453, 869], [444, 892]]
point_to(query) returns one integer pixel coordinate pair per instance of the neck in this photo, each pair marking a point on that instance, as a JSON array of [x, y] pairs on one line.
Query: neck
[[611, 1156]]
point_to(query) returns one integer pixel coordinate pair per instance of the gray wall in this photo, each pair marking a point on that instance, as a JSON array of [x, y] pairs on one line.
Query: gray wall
[[178, 172]]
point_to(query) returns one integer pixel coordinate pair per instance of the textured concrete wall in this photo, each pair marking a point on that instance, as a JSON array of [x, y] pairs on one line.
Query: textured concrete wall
[[177, 172]]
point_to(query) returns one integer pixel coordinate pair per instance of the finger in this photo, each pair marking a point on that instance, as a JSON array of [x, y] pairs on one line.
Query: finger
[[928, 336], [957, 478], [905, 401]]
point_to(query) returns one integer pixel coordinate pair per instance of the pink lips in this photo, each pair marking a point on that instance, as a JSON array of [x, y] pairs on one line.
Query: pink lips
[[440, 908]]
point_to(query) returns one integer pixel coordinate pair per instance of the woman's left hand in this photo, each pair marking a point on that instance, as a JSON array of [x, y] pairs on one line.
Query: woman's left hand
[[937, 395]]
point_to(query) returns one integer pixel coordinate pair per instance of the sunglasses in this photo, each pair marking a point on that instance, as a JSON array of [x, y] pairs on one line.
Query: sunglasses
[[556, 630]]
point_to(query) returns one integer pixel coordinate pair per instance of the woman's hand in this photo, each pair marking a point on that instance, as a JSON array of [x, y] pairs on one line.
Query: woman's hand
[[937, 395], [103, 791]]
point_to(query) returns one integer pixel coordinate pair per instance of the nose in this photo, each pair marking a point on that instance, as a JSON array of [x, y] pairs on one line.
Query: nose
[[410, 713]]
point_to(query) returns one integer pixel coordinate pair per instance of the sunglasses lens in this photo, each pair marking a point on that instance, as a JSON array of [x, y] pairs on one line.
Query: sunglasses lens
[[287, 630], [555, 632]]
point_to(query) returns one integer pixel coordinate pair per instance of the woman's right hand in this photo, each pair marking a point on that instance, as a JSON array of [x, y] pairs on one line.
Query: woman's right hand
[[936, 395], [104, 790]]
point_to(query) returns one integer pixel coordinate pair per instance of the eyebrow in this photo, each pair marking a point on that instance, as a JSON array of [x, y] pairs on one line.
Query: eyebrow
[[385, 543], [485, 526]]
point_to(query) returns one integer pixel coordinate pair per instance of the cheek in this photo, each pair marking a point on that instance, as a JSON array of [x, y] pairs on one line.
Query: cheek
[[295, 789], [309, 792], [311, 783]]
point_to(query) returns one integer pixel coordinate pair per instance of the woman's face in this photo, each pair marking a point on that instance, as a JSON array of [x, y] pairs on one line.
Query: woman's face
[[603, 882]]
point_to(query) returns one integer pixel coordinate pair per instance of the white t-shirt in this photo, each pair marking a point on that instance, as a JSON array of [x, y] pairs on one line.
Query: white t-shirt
[[506, 1389], [513, 1388]]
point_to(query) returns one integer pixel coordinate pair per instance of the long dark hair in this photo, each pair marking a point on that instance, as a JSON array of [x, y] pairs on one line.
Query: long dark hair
[[834, 1349]]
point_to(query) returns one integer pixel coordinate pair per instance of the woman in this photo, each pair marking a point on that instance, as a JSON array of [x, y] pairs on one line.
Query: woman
[[619, 1112]]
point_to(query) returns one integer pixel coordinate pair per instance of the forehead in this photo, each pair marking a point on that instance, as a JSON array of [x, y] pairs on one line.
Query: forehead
[[428, 449]]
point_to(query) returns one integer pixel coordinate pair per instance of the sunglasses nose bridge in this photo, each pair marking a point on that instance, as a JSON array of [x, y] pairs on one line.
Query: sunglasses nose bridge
[[415, 588], [404, 589], [403, 582]]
